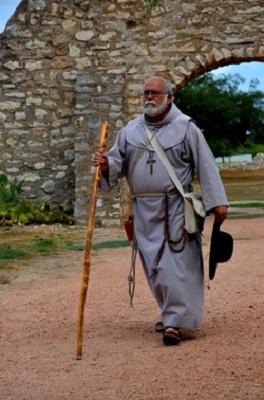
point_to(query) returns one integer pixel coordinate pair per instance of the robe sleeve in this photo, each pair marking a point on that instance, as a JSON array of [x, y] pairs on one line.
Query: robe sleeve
[[212, 187], [117, 163]]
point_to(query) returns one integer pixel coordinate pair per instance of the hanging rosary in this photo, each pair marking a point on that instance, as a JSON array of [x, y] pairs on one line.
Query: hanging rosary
[[172, 243]]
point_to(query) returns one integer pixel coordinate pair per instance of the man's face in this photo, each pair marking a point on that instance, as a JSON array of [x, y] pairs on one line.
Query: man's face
[[155, 101]]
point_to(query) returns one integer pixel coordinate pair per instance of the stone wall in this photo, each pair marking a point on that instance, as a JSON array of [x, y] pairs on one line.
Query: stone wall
[[66, 67], [257, 162]]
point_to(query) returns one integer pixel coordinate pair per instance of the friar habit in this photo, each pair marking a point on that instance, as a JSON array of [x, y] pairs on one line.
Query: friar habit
[[171, 258]]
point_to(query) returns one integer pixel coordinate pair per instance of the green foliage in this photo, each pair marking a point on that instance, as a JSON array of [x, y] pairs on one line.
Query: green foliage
[[221, 147], [156, 5], [249, 147], [9, 193], [22, 212], [227, 116]]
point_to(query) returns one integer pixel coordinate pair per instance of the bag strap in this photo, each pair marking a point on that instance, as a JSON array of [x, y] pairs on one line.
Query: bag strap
[[162, 156]]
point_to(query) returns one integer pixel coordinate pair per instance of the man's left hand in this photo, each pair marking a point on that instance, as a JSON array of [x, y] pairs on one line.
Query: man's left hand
[[220, 214]]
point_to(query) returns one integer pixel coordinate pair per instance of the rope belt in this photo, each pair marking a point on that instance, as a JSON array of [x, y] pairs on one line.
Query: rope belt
[[163, 194]]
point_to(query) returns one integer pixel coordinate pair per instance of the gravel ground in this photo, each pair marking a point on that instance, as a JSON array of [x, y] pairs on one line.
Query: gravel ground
[[123, 358]]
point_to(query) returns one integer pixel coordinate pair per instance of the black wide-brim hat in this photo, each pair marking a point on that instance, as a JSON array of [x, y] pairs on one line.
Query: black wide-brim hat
[[221, 248]]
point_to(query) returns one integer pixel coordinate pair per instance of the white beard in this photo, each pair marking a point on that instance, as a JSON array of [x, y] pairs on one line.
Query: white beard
[[152, 110]]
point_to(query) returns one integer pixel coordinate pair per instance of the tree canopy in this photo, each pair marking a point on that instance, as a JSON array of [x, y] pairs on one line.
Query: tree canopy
[[227, 116]]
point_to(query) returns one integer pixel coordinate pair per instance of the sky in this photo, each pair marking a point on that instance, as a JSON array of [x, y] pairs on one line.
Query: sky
[[247, 70]]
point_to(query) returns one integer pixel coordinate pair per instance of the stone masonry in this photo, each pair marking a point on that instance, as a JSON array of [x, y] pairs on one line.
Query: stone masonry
[[66, 67]]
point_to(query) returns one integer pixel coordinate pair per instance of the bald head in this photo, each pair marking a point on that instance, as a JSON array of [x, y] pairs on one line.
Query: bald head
[[161, 82]]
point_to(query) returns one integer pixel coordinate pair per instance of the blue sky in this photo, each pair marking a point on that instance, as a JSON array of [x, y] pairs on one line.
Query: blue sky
[[246, 70], [7, 9]]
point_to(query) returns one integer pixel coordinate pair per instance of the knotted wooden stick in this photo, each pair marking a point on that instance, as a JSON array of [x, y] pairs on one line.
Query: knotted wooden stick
[[88, 249]]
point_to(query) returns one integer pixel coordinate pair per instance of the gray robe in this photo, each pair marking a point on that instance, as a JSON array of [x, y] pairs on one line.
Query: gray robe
[[177, 280]]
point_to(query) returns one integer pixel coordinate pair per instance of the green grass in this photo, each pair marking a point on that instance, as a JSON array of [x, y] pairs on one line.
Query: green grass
[[111, 244], [70, 245], [32, 247], [243, 186], [27, 248], [12, 254], [45, 246], [252, 204], [233, 215]]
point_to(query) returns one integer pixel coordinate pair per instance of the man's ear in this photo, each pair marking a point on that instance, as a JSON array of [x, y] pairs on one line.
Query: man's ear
[[170, 98]]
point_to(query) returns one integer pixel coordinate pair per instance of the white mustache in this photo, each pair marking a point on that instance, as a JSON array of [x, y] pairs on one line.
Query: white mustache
[[150, 103]]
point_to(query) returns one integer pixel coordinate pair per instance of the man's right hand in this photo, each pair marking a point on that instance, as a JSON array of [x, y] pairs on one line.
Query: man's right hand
[[101, 160]]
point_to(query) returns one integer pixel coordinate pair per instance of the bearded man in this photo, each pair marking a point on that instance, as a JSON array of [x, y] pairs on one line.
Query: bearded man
[[171, 258]]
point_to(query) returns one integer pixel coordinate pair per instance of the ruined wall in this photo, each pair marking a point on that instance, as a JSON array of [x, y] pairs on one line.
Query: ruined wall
[[66, 67]]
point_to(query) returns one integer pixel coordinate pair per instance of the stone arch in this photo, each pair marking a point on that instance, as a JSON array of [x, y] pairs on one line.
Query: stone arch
[[66, 68]]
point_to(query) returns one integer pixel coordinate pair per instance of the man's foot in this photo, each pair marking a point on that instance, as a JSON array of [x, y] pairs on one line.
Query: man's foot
[[159, 327], [171, 336]]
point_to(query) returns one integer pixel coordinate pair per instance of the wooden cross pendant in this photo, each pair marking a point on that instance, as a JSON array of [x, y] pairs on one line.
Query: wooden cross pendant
[[151, 161]]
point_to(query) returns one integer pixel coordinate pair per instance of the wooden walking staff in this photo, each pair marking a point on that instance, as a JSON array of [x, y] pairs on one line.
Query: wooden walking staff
[[88, 249]]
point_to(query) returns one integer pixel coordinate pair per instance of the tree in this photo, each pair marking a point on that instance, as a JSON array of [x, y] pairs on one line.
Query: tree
[[221, 148], [226, 115]]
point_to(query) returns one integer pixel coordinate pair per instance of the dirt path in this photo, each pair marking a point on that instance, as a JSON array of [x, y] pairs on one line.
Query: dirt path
[[123, 358]]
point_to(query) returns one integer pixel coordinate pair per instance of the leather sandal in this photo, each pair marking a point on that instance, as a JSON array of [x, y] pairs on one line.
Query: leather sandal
[[159, 327], [171, 336]]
